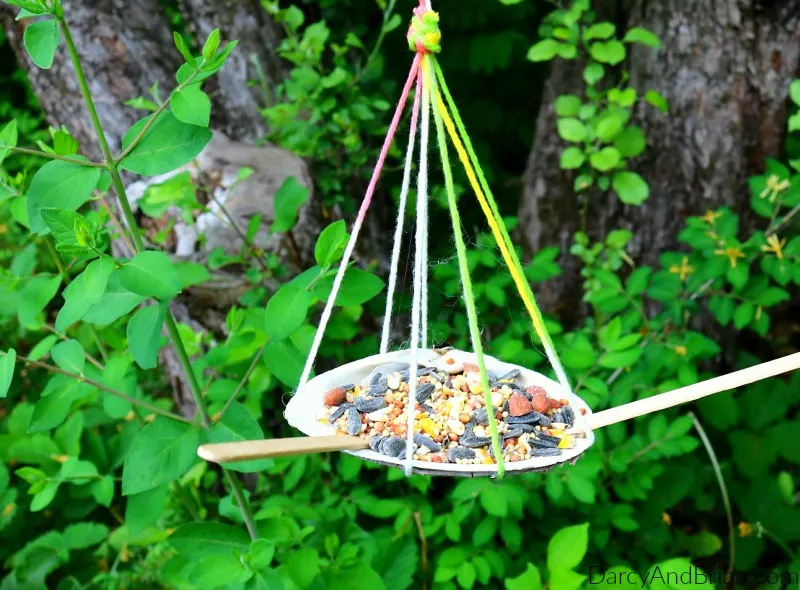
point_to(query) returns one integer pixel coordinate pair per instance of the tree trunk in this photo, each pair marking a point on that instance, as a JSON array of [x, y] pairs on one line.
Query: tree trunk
[[725, 68]]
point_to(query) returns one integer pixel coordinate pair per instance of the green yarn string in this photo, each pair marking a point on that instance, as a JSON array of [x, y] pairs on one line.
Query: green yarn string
[[424, 35], [466, 281]]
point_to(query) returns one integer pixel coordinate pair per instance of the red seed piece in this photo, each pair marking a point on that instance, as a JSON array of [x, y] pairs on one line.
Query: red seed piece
[[536, 390], [470, 368], [554, 404], [334, 397], [518, 405], [540, 401]]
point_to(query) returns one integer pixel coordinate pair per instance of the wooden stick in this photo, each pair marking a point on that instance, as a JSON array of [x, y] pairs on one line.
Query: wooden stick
[[285, 447], [693, 392], [279, 447]]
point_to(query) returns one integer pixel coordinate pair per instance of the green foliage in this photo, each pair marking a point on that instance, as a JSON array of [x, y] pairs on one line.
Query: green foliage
[[100, 485]]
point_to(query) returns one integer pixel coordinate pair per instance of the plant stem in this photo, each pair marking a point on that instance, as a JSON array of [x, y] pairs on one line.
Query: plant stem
[[89, 357], [53, 156], [187, 500], [244, 505], [114, 392], [723, 489], [244, 379], [133, 228]]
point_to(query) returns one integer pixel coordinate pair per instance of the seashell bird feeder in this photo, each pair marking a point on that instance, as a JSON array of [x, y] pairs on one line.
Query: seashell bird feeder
[[441, 411]]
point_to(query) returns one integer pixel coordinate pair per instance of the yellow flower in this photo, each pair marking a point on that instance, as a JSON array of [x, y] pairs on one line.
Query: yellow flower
[[745, 529], [680, 350], [9, 509], [775, 245], [731, 253], [666, 518], [711, 216], [684, 270], [774, 187]]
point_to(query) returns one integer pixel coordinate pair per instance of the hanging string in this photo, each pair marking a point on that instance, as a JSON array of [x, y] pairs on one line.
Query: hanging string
[[466, 281], [489, 206], [401, 213], [362, 213]]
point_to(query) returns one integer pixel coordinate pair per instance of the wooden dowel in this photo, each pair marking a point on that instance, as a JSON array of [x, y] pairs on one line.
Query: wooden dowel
[[693, 392], [246, 450]]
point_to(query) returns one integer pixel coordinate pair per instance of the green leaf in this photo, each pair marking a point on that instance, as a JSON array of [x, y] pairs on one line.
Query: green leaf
[[62, 225], [237, 425], [286, 311], [84, 291], [7, 363], [43, 498], [8, 137], [211, 45], [285, 361], [582, 488], [544, 50], [162, 452], [358, 286], [642, 36], [190, 273], [197, 540], [608, 127], [630, 142], [183, 49], [567, 547], [572, 158], [743, 315], [599, 31], [41, 41], [52, 409], [144, 334], [567, 105], [36, 294], [265, 579], [68, 435], [116, 302], [331, 244], [60, 185], [192, 106], [657, 100], [608, 52], [151, 274], [144, 509], [494, 501], [168, 145], [84, 535], [593, 73], [630, 188], [571, 129], [103, 490], [223, 570], [794, 92], [620, 359], [288, 199], [68, 355], [529, 580], [261, 553], [605, 159], [465, 575]]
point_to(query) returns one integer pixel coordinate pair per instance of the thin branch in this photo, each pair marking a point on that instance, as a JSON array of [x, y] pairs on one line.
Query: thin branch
[[89, 357], [118, 226], [723, 489], [423, 541], [786, 218], [100, 386], [239, 387], [50, 156], [244, 505]]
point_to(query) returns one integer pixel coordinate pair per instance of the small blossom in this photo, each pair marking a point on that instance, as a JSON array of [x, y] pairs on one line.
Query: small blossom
[[731, 253], [684, 270], [666, 518], [711, 216], [680, 350], [745, 529], [774, 187], [775, 245]]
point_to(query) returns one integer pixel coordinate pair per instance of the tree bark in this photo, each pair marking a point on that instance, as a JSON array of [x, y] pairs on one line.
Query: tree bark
[[725, 68]]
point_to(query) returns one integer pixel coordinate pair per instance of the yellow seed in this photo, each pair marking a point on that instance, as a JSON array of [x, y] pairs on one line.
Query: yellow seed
[[567, 442], [429, 427]]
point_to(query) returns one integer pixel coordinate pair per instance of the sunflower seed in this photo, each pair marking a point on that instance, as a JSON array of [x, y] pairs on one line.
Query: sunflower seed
[[337, 413], [474, 441], [531, 418], [348, 387], [353, 421], [460, 453], [393, 446], [481, 416], [543, 441], [367, 405], [510, 376], [424, 392], [375, 443], [540, 452], [514, 432], [426, 441]]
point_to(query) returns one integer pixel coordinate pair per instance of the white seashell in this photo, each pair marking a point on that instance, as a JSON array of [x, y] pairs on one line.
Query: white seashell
[[456, 426]]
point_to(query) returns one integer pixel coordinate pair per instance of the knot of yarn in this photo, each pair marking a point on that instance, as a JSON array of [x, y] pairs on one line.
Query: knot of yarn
[[423, 34]]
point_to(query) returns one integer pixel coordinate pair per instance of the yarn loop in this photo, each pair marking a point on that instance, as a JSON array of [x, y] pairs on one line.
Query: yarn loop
[[424, 35]]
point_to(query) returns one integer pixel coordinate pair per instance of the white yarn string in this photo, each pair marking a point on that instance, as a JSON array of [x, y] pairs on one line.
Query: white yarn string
[[398, 231], [419, 251], [424, 255]]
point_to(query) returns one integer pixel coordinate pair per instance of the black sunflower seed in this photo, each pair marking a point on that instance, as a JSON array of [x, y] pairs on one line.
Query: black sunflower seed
[[481, 416], [531, 418], [426, 441], [427, 408], [393, 446], [569, 415], [543, 441], [558, 417], [544, 452], [514, 432], [460, 453], [348, 387], [337, 413], [425, 391], [511, 375], [474, 441], [353, 421], [367, 405], [375, 443]]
